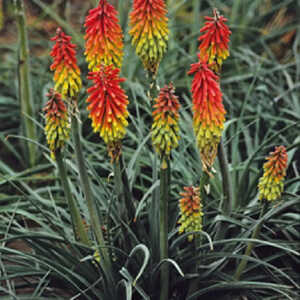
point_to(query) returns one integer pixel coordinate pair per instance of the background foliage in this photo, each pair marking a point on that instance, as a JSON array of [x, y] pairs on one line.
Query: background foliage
[[260, 83]]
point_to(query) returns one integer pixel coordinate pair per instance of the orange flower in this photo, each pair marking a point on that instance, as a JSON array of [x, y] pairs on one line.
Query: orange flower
[[165, 127], [208, 111], [104, 38], [214, 41], [271, 183], [149, 31], [67, 74], [57, 127], [108, 107], [190, 211]]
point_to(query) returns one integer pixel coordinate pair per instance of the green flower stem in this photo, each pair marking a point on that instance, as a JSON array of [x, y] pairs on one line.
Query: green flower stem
[[163, 223], [77, 223], [153, 88], [120, 191], [25, 90], [203, 182], [154, 212], [126, 190], [228, 202], [124, 197], [93, 212], [117, 177], [250, 245], [154, 205]]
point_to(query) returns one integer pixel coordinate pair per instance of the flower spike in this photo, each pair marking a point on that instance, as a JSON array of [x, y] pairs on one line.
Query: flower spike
[[67, 74], [165, 127], [149, 32], [190, 211], [104, 37], [57, 126], [208, 111], [108, 107], [271, 183], [214, 41]]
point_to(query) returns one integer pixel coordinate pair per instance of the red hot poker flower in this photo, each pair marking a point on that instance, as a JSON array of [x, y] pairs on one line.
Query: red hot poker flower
[[165, 128], [271, 183], [149, 32], [67, 74], [57, 127], [208, 111], [108, 106], [104, 38], [190, 211], [214, 41]]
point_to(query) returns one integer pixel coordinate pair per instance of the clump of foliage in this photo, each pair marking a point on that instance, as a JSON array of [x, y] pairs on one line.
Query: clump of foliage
[[146, 192]]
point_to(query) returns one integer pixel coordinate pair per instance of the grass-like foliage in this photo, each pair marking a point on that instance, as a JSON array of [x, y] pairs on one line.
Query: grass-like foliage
[[139, 161]]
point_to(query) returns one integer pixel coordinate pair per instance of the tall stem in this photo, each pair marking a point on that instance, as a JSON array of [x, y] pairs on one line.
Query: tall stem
[[154, 212], [152, 93], [163, 221], [119, 190], [154, 205], [25, 89], [228, 202], [204, 180], [77, 223], [93, 212], [126, 190], [250, 245]]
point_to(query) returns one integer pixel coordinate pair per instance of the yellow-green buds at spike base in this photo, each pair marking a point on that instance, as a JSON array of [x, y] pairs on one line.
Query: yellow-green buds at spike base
[[271, 183], [149, 32], [190, 211], [165, 128], [66, 72], [57, 128]]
